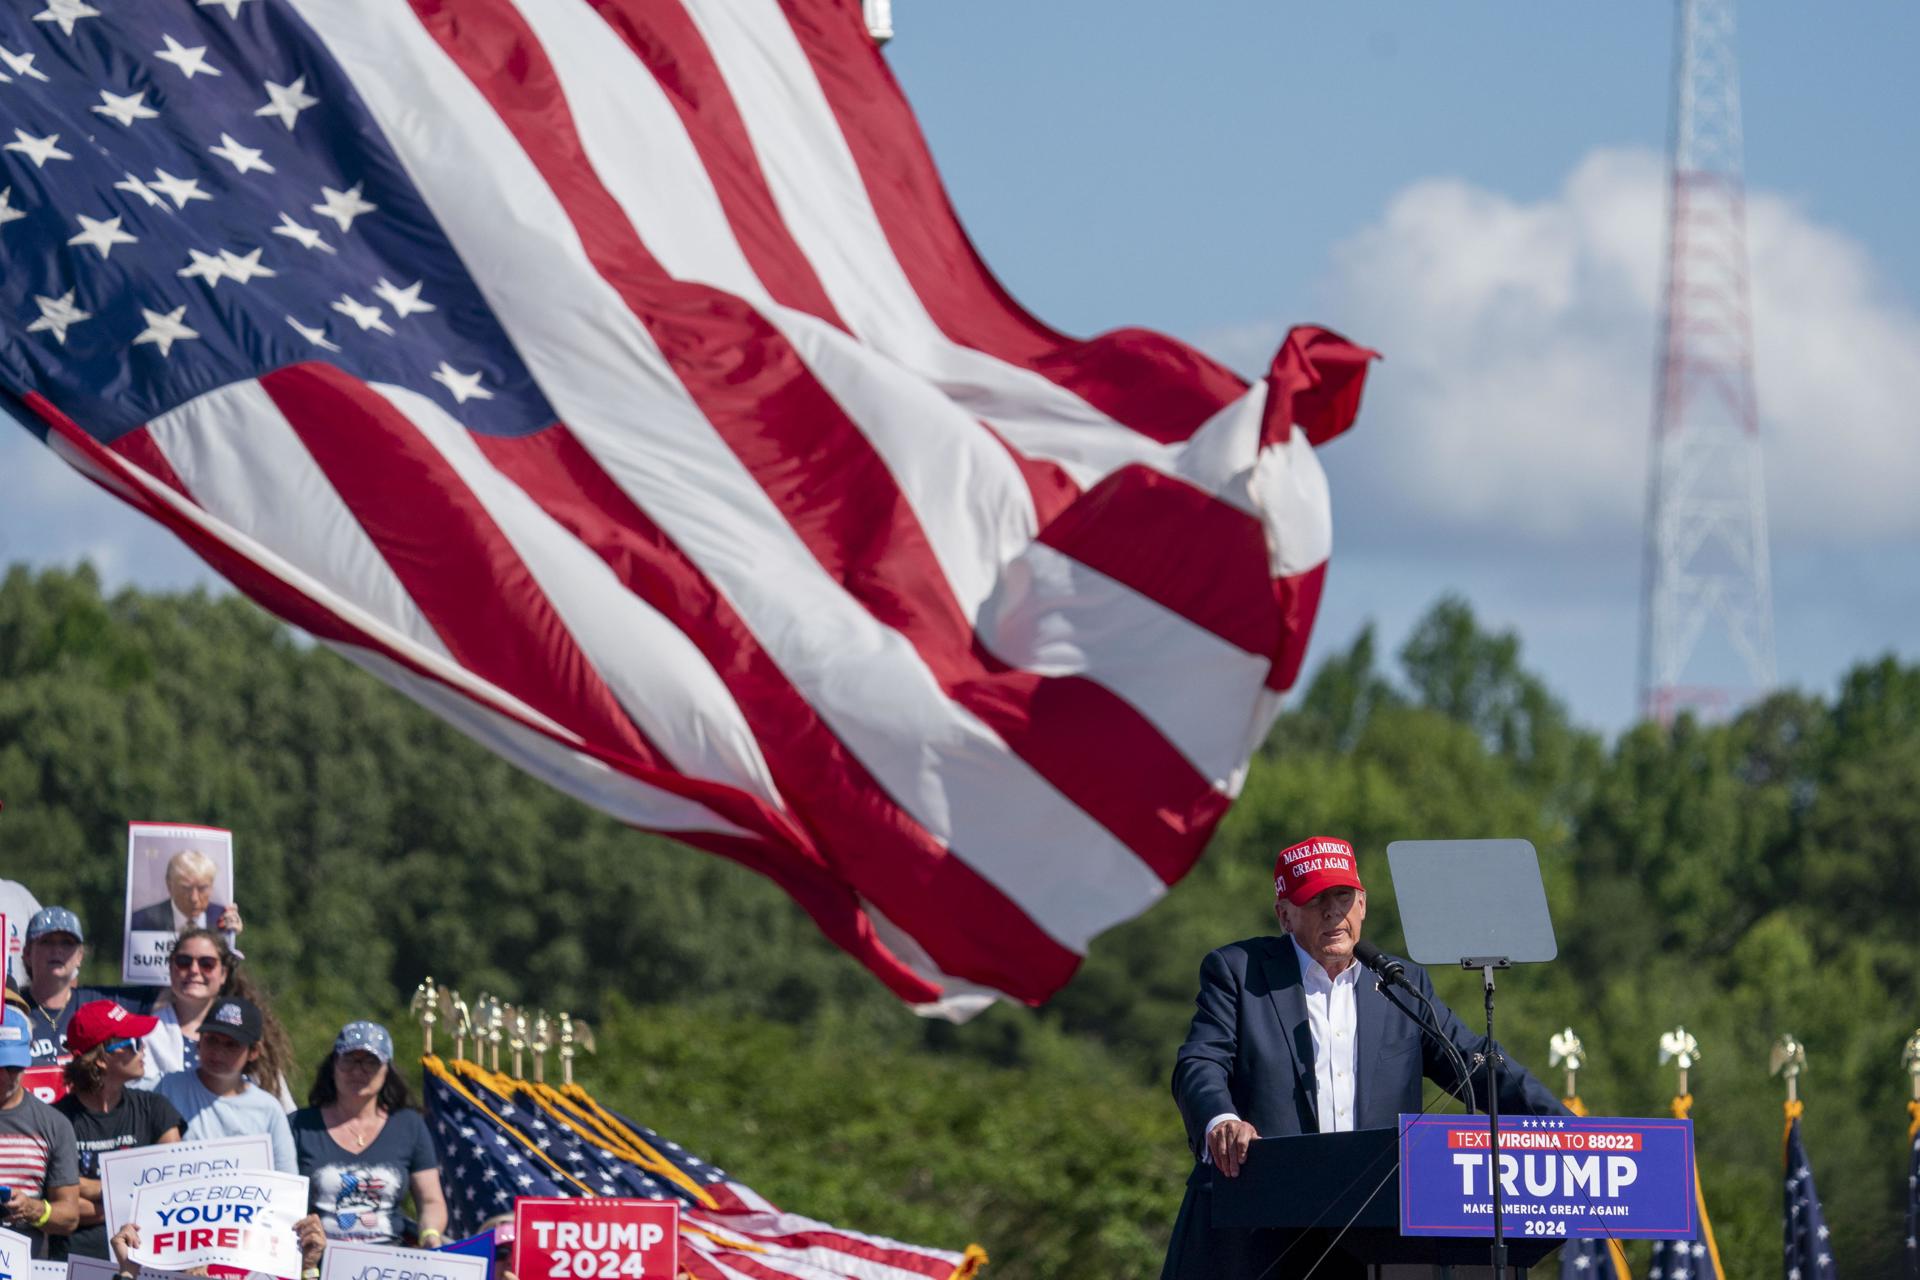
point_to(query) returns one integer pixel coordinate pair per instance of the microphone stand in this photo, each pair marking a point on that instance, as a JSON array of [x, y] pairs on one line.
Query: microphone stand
[[1486, 965]]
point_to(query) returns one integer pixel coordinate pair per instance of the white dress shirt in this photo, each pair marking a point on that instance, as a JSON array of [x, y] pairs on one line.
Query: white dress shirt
[[1333, 1022], [183, 922]]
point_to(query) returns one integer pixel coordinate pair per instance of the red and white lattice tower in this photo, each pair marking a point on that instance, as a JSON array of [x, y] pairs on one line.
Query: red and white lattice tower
[[1707, 618]]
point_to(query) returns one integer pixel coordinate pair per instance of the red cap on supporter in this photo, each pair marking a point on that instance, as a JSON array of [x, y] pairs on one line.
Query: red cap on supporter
[[98, 1021], [1304, 871]]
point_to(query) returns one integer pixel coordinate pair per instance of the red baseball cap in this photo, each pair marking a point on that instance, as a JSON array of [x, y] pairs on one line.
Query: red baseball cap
[[1304, 871], [98, 1021]]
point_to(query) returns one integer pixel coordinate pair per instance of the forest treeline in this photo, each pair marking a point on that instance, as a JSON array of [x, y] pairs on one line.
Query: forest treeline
[[1745, 879]]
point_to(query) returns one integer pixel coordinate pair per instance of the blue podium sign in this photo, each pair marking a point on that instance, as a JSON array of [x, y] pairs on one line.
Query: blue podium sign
[[1559, 1176]]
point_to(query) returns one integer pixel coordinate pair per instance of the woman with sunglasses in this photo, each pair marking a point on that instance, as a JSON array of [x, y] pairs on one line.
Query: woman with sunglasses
[[201, 969], [107, 1112]]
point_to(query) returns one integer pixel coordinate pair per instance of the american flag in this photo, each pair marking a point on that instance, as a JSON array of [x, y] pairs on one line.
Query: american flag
[[1698, 1258], [1913, 1192], [1591, 1257], [614, 378], [1809, 1251], [500, 1139]]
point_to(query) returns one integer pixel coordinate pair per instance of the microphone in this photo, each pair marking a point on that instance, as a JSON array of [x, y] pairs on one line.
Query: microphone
[[1391, 971]]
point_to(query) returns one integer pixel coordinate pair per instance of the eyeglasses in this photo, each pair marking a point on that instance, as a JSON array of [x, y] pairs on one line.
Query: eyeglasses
[[207, 963], [120, 1046]]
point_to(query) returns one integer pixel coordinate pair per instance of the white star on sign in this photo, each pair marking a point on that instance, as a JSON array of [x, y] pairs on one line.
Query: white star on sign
[[243, 159], [66, 13], [141, 189], [57, 315], [179, 190], [164, 330], [38, 150], [305, 237], [7, 212], [125, 107], [208, 266], [21, 64], [231, 6], [245, 269], [343, 206], [191, 61], [404, 303], [465, 387], [366, 316], [102, 234], [287, 101]]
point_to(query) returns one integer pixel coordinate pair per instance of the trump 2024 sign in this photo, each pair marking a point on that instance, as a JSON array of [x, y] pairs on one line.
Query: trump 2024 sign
[[1559, 1176], [556, 1238]]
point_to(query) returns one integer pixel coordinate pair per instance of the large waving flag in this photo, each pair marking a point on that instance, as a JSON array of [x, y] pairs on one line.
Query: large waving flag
[[502, 1138], [614, 378]]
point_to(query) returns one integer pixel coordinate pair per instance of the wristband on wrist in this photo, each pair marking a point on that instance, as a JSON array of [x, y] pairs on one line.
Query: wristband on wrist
[[310, 1273], [46, 1214], [429, 1234]]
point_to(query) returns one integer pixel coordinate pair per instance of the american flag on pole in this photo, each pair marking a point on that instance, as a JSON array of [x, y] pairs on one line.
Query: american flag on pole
[[1809, 1244], [1698, 1258], [614, 378], [501, 1138]]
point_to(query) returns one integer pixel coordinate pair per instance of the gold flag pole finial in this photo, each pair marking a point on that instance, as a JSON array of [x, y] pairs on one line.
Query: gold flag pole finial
[[517, 1038], [1680, 1048], [1565, 1049], [574, 1036], [1910, 1059], [541, 1042], [459, 1019], [425, 1009], [489, 1020], [1788, 1060]]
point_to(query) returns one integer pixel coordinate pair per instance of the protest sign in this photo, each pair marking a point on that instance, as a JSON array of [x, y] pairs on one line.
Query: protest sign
[[45, 1270], [123, 1172], [556, 1238], [49, 1084], [346, 1261], [16, 1254], [243, 1219], [79, 1268], [177, 877], [1559, 1176]]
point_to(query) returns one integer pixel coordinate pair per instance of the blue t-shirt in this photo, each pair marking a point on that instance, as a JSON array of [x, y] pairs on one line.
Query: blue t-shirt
[[253, 1110], [358, 1195]]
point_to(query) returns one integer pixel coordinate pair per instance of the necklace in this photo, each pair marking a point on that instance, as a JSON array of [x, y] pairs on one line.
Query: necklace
[[359, 1138]]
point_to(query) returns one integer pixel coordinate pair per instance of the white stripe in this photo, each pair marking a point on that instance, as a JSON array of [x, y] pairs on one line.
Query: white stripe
[[580, 776], [759, 1228], [246, 465], [600, 370], [666, 684], [670, 812], [1057, 617]]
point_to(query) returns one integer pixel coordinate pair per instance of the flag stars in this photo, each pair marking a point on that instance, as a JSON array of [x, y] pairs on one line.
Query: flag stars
[[102, 234], [21, 64], [243, 159], [314, 335], [244, 269], [343, 206], [7, 212], [178, 190], [66, 13], [406, 302], [57, 315], [163, 331], [304, 236], [231, 6], [209, 267], [285, 102], [38, 150], [191, 61], [125, 108]]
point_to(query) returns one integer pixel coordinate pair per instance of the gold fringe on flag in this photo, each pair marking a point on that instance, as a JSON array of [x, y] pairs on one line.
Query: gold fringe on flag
[[1616, 1253], [1682, 1105]]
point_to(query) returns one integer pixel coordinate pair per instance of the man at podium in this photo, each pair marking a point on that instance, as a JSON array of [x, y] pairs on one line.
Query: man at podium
[[1288, 1037]]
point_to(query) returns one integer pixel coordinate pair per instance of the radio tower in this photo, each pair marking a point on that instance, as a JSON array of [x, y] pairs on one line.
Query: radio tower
[[1707, 616]]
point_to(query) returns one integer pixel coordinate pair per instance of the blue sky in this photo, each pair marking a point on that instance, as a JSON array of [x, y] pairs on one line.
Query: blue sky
[[1476, 190]]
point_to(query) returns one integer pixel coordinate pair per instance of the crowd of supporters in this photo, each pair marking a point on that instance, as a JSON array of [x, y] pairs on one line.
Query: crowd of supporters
[[203, 1057]]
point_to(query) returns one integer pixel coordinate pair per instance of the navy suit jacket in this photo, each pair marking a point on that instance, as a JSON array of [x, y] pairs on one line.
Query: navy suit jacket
[[158, 916], [1249, 1051]]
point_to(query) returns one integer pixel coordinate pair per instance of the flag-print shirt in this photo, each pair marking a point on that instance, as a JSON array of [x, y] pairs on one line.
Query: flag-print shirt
[[36, 1155]]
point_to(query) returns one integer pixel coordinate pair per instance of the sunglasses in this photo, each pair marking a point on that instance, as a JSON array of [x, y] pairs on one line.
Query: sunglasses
[[120, 1046], [207, 963]]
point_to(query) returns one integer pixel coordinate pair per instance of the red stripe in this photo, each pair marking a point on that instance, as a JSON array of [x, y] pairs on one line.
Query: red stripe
[[139, 448], [969, 927], [834, 490], [1298, 600], [1151, 383], [663, 36], [908, 1259], [832, 905]]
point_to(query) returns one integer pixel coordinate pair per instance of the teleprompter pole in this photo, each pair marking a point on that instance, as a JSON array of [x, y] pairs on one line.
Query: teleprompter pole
[[1486, 965]]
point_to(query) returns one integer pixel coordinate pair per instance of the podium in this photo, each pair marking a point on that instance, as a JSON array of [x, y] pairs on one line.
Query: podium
[[1300, 1191]]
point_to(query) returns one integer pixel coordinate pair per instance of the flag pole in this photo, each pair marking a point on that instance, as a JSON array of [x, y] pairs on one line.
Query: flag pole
[[425, 1009]]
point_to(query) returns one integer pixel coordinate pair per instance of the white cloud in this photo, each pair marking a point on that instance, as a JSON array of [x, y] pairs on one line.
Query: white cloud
[[1519, 340]]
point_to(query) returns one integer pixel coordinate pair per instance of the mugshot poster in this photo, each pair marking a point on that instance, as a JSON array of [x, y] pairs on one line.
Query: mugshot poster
[[177, 876]]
